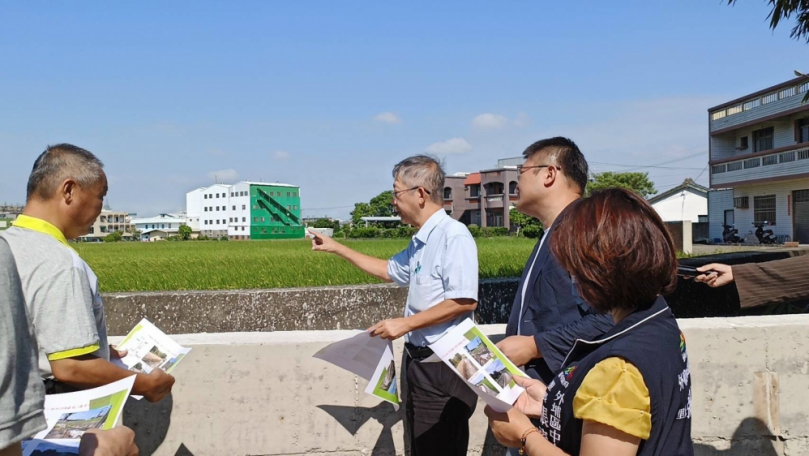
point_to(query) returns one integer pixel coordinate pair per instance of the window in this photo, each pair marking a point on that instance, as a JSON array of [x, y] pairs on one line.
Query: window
[[447, 193], [244, 219], [262, 219], [743, 143], [234, 207], [242, 228], [512, 188], [474, 191], [762, 139], [802, 130], [255, 219], [764, 209], [206, 209], [217, 195], [288, 194], [741, 202], [244, 206]]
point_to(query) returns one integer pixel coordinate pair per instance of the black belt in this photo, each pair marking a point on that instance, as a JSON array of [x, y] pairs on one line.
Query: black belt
[[417, 352], [53, 386]]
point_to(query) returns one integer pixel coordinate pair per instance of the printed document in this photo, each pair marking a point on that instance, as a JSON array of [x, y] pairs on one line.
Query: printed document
[[70, 415], [480, 363], [150, 348], [370, 358]]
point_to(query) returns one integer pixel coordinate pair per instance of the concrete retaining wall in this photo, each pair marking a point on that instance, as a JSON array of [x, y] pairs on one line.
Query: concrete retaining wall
[[289, 309], [263, 394], [360, 306]]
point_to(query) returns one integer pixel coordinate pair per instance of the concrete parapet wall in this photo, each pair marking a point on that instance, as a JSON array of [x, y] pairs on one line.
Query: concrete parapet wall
[[263, 394], [282, 309]]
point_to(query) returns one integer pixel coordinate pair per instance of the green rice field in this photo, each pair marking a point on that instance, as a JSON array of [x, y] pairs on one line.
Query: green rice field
[[208, 265]]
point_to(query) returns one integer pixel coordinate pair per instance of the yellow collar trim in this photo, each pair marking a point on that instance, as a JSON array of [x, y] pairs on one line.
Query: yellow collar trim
[[36, 224]]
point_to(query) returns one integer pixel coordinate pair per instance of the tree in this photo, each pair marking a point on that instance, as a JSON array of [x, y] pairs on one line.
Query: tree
[[523, 222], [637, 182], [184, 232], [326, 223], [115, 236], [379, 206], [784, 9]]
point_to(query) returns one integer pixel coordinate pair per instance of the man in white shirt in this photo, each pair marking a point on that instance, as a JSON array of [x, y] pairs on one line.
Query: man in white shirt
[[440, 265]]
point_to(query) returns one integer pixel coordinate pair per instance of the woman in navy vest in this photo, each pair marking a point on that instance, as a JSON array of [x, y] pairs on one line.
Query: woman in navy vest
[[629, 391]]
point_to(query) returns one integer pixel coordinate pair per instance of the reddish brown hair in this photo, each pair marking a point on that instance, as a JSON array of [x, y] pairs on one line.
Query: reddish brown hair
[[617, 248]]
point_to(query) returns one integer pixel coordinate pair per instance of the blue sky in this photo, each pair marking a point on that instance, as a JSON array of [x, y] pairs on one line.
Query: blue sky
[[330, 95]]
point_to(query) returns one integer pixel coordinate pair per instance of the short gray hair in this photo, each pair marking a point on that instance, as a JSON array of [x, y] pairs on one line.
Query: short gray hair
[[61, 162], [423, 171]]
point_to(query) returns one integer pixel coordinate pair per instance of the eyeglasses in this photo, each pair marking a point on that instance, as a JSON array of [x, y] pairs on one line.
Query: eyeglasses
[[399, 192], [523, 168]]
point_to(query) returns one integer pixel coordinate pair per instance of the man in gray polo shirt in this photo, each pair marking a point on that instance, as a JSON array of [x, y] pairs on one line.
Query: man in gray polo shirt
[[22, 395], [66, 189], [440, 265]]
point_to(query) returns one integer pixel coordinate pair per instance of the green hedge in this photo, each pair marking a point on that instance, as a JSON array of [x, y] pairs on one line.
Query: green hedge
[[372, 232]]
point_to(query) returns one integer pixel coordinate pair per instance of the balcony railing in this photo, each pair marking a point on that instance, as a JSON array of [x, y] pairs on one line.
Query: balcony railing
[[763, 100], [773, 165]]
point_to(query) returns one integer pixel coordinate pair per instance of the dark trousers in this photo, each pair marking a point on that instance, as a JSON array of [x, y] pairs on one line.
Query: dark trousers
[[438, 405]]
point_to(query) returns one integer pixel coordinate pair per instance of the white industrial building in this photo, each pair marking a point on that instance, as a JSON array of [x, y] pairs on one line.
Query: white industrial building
[[247, 210], [759, 158]]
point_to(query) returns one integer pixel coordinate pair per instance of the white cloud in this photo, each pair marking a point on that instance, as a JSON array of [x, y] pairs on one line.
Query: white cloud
[[225, 176], [489, 121], [280, 155], [388, 118], [450, 146]]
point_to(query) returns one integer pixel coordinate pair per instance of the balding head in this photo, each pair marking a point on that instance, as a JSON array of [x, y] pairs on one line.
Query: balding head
[[59, 163]]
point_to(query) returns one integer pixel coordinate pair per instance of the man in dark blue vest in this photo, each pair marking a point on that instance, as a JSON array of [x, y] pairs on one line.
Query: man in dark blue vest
[[548, 314]]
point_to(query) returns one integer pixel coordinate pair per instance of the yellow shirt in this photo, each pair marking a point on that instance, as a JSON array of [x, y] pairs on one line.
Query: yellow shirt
[[614, 393]]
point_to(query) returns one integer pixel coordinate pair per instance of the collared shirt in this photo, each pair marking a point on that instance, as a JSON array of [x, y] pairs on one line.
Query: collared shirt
[[440, 263], [61, 293]]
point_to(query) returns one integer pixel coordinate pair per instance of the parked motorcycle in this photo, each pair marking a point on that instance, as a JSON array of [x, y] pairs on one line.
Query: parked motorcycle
[[730, 235], [764, 236]]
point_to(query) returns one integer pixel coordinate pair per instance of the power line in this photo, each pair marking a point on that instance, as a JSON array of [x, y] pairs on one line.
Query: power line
[[657, 165]]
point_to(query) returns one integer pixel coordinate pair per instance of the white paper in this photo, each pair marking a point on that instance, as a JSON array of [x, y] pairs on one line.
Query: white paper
[[474, 358], [69, 415], [149, 348], [368, 357]]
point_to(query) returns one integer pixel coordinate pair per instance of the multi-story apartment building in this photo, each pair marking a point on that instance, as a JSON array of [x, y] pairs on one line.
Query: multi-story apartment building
[[248, 210], [483, 198], [759, 161], [109, 222]]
